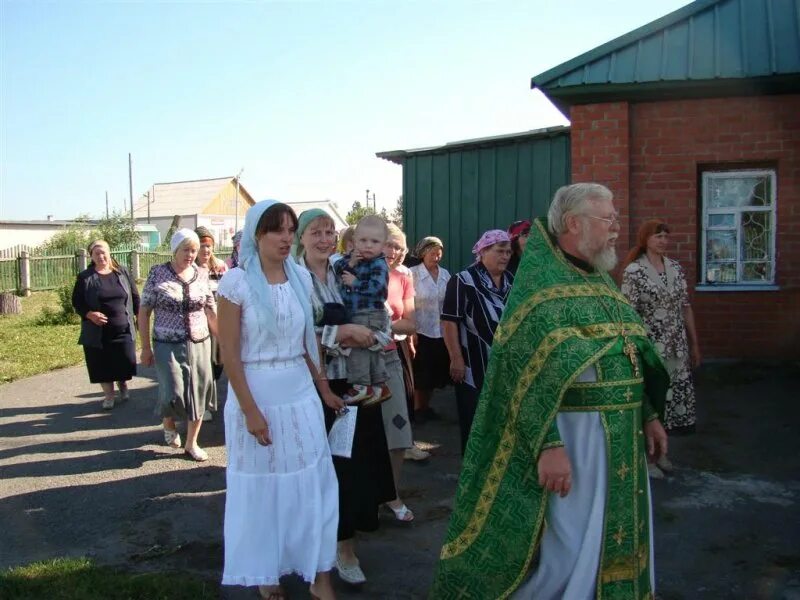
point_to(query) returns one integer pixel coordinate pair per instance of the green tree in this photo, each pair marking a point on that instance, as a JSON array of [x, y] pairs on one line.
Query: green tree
[[115, 229], [396, 216], [358, 212]]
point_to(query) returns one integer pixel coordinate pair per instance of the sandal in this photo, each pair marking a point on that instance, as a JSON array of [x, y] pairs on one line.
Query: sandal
[[402, 514], [172, 438], [272, 592], [197, 454]]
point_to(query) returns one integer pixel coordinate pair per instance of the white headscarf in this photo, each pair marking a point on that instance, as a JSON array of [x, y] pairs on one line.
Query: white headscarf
[[181, 236], [250, 262]]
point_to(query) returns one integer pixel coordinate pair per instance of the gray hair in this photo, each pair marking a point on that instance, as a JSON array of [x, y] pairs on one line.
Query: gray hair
[[573, 199]]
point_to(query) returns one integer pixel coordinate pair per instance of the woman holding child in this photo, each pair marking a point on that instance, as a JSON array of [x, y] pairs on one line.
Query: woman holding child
[[365, 479], [281, 511]]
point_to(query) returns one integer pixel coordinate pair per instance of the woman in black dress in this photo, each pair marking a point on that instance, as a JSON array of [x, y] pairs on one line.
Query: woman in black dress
[[106, 298]]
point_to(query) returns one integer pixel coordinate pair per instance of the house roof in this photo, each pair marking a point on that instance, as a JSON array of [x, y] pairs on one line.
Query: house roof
[[708, 47], [326, 205], [183, 197], [398, 156]]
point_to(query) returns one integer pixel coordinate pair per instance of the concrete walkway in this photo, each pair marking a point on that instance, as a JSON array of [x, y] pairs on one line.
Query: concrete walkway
[[79, 481]]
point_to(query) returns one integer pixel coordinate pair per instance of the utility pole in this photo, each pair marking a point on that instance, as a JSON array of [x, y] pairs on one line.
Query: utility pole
[[130, 184], [147, 195], [106, 204], [236, 220]]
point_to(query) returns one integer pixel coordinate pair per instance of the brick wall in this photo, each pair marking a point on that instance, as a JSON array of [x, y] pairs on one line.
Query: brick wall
[[650, 155]]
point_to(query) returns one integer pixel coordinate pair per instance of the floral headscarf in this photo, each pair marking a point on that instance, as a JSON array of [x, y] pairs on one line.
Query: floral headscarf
[[489, 238]]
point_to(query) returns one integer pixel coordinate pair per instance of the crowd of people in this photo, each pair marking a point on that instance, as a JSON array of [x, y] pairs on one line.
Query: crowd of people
[[311, 325]]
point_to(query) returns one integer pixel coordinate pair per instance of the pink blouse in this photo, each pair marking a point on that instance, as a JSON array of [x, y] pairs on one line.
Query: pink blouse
[[401, 288]]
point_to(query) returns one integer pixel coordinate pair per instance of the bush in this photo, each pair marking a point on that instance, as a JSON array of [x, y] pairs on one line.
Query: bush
[[64, 314]]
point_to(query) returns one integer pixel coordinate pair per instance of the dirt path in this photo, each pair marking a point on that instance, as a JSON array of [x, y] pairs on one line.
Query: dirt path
[[78, 481]]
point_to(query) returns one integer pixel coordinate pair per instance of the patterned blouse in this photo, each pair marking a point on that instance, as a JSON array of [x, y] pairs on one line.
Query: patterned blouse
[[327, 292], [179, 305], [660, 299], [474, 302]]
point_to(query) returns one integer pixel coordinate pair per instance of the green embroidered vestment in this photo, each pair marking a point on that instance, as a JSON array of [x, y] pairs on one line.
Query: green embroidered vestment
[[558, 321]]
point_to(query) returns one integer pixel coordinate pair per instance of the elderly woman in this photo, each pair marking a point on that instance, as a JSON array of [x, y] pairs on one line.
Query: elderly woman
[[206, 261], [431, 361], [281, 509], [473, 305], [398, 365], [656, 287], [106, 298], [365, 479], [185, 318], [214, 269], [518, 231]]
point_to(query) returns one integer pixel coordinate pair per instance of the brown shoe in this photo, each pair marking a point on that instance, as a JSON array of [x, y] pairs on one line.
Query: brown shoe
[[381, 395]]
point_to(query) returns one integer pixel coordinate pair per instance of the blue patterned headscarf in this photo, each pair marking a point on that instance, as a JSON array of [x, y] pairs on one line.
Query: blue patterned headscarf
[[250, 261]]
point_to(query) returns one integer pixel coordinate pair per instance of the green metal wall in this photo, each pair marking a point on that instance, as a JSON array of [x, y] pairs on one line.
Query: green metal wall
[[458, 194]]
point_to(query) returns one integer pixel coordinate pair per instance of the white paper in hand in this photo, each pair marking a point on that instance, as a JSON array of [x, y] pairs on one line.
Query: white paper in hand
[[342, 432]]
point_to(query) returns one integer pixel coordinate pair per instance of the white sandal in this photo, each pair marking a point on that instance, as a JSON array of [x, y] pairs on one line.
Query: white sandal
[[402, 513], [172, 438]]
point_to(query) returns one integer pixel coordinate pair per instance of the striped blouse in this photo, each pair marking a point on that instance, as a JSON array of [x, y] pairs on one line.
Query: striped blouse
[[476, 304]]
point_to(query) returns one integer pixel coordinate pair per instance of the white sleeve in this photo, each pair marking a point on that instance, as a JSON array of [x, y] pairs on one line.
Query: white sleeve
[[231, 286]]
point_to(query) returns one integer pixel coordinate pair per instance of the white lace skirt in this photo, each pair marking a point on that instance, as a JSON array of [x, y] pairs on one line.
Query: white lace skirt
[[282, 504]]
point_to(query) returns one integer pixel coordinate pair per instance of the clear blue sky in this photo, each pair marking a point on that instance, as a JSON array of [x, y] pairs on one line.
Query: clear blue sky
[[300, 94]]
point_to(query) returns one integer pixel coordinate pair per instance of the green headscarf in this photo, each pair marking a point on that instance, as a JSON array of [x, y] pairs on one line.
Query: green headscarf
[[303, 221]]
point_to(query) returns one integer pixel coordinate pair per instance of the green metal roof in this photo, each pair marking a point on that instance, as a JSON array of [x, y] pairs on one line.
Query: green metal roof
[[398, 156], [708, 47]]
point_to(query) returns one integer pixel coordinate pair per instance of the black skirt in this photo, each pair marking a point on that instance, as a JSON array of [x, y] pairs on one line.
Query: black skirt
[[115, 361], [365, 479], [431, 364]]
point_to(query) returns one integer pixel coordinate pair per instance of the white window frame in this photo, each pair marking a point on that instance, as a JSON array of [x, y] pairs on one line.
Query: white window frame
[[740, 283]]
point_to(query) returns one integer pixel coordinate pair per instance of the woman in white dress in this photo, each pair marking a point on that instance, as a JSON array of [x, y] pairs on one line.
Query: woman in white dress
[[281, 510]]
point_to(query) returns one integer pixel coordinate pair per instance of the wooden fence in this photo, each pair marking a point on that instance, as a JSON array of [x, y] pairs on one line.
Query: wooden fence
[[29, 273]]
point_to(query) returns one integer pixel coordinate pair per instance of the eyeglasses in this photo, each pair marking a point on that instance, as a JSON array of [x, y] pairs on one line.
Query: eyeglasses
[[614, 219]]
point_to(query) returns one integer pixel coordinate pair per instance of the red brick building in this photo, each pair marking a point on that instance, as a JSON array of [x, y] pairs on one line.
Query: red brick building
[[695, 119]]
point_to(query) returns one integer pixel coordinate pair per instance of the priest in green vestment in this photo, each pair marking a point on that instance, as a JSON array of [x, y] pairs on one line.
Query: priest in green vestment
[[553, 499]]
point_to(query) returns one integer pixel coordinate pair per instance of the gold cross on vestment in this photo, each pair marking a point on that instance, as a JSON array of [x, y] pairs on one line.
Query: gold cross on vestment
[[628, 395], [629, 348], [623, 471], [619, 536]]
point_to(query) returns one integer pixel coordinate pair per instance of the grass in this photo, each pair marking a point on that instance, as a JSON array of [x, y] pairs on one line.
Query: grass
[[27, 348], [81, 579]]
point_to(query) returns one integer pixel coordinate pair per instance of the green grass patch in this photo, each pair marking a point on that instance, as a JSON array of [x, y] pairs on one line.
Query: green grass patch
[[80, 579], [29, 348]]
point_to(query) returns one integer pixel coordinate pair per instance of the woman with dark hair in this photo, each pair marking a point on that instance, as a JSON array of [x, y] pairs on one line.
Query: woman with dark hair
[[656, 287], [518, 231], [106, 298], [185, 318], [431, 361], [282, 504]]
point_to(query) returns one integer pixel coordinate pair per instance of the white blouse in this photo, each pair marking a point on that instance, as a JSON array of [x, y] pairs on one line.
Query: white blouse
[[284, 349], [428, 300]]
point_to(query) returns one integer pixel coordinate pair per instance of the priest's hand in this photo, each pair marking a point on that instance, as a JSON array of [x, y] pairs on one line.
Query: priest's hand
[[656, 440], [555, 471]]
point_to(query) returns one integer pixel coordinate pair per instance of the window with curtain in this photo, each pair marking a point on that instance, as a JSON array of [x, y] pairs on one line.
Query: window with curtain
[[738, 240]]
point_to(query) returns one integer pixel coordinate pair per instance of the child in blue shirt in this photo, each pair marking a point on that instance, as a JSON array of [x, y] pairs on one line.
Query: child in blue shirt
[[364, 276]]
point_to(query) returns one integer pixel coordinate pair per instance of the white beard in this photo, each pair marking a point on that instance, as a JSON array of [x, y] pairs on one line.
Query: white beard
[[602, 259], [605, 260]]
